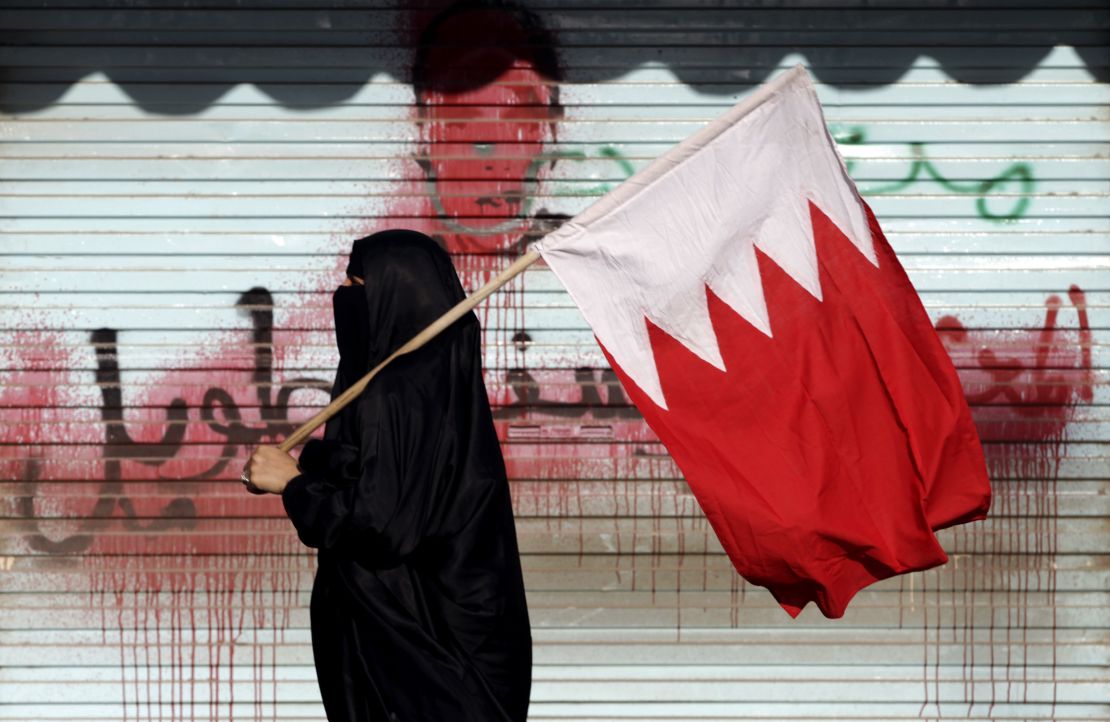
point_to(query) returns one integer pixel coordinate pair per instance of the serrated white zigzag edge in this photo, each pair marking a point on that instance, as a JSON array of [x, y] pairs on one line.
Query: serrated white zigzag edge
[[692, 218]]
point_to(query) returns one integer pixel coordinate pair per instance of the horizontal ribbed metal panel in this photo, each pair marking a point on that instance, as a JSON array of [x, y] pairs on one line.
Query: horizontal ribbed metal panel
[[181, 184]]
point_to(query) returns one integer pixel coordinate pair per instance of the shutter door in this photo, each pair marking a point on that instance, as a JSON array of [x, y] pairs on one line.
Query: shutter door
[[181, 184]]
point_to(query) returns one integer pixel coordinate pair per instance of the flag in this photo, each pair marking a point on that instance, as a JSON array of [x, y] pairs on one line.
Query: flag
[[745, 296]]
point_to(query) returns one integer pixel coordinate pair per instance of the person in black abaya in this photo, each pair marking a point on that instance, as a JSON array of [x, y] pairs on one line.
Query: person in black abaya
[[418, 608]]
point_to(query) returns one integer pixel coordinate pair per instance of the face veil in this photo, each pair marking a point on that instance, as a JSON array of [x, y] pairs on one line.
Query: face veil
[[352, 329], [408, 282]]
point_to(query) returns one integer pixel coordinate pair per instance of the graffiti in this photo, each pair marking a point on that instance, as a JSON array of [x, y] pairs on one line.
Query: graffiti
[[162, 517], [177, 595], [273, 413], [1029, 381], [1014, 180], [530, 402], [1019, 175], [626, 170], [529, 397], [486, 84], [119, 446], [774, 36], [1023, 387], [581, 405]]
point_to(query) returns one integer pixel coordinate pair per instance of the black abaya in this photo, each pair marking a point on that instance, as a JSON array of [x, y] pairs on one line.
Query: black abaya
[[418, 607]]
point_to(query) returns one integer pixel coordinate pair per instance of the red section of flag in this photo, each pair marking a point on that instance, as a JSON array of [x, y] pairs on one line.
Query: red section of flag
[[826, 455]]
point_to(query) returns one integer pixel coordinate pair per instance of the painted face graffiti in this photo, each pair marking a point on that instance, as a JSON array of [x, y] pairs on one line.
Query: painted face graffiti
[[485, 151], [486, 85]]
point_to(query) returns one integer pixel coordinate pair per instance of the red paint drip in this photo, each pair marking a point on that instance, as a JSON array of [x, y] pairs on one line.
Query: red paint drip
[[1025, 387]]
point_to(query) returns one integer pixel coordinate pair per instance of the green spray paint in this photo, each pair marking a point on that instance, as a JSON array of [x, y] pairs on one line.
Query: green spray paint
[[921, 166], [607, 152]]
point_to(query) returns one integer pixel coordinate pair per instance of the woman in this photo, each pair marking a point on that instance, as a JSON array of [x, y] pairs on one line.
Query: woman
[[418, 609]]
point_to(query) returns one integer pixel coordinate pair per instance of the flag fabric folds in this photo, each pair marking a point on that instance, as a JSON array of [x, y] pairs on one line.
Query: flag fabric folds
[[746, 298]]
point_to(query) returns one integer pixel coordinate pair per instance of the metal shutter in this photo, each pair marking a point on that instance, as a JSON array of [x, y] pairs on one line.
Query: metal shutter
[[181, 183]]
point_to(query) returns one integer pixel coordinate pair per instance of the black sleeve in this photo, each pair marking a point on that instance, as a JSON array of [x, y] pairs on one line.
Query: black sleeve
[[380, 515]]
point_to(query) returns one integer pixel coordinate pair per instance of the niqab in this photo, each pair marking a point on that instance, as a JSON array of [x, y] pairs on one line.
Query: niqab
[[418, 608]]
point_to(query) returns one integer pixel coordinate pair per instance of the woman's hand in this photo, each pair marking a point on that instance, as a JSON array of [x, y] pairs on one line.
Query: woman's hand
[[270, 469]]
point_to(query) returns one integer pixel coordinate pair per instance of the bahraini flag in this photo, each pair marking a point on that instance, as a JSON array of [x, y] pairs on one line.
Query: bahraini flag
[[746, 298]]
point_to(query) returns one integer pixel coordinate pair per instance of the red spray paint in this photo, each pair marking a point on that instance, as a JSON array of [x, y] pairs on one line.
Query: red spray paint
[[486, 119], [1024, 388]]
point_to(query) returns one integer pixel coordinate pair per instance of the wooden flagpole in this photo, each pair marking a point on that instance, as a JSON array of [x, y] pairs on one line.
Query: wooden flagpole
[[305, 430]]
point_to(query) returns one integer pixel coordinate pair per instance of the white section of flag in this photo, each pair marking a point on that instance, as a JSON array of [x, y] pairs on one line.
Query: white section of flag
[[692, 217]]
